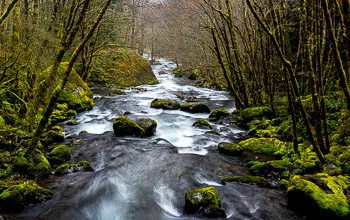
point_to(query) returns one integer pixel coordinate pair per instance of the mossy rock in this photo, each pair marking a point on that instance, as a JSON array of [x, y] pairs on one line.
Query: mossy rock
[[148, 125], [60, 154], [54, 135], [193, 76], [21, 164], [201, 123], [249, 114], [284, 184], [123, 126], [166, 104], [62, 113], [72, 123], [162, 72], [279, 165], [252, 180], [18, 196], [122, 67], [39, 165], [73, 168], [230, 149], [83, 132], [195, 108], [257, 167], [218, 114], [156, 63], [118, 92], [212, 132], [2, 123], [205, 201], [325, 202], [270, 146]]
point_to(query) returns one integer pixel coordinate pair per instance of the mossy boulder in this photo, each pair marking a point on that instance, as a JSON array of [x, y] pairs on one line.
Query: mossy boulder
[[122, 67], [201, 123], [323, 197], [18, 196], [62, 113], [195, 108], [156, 63], [123, 126], [73, 168], [54, 135], [167, 104], [230, 149], [161, 72], [212, 132], [118, 92], [21, 163], [270, 146], [60, 154], [39, 165], [279, 165], [218, 114], [252, 180], [148, 125], [72, 123], [204, 201], [249, 114]]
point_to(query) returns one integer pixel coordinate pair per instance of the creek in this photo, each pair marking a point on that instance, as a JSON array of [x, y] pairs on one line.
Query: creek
[[146, 178]]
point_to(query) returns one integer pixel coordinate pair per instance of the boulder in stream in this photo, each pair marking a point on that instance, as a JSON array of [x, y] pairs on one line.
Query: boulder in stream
[[167, 104], [195, 108], [149, 125], [201, 123], [59, 154], [218, 114], [124, 126], [230, 149], [204, 201]]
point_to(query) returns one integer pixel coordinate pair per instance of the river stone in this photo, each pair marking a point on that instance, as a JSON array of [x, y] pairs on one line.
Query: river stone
[[59, 154], [72, 168], [18, 196], [123, 126], [218, 114], [149, 125], [54, 135], [195, 108], [230, 149], [167, 104], [204, 201], [201, 123]]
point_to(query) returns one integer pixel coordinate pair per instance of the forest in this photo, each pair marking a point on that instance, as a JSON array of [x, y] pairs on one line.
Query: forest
[[285, 65]]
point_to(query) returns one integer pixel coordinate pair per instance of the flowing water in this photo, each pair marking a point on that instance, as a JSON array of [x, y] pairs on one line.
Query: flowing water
[[146, 178]]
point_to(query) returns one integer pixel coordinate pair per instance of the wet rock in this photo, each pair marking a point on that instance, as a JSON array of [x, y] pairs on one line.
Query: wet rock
[[252, 180], [148, 125], [218, 114], [39, 165], [323, 203], [167, 104], [18, 196], [73, 168], [123, 126], [212, 132], [60, 154], [195, 108], [201, 123], [230, 149], [193, 76], [249, 114], [204, 201], [54, 135], [72, 123], [162, 72]]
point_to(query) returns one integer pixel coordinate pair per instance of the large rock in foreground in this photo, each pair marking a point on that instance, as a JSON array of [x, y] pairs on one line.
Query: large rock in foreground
[[166, 104], [204, 201], [123, 67], [321, 196], [149, 125], [18, 196], [195, 108]]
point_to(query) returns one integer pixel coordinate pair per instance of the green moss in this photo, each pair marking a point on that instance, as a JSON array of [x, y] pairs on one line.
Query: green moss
[[39, 165], [123, 126], [195, 108], [212, 132], [218, 114], [285, 174], [201, 123], [230, 149], [83, 132], [72, 168], [148, 125], [284, 184], [118, 92], [153, 82], [279, 165], [252, 180], [165, 104], [264, 133], [257, 168], [161, 72], [72, 123], [60, 154], [269, 146], [206, 200], [21, 163], [2, 123], [256, 112], [17, 196], [77, 143], [306, 194], [54, 135]]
